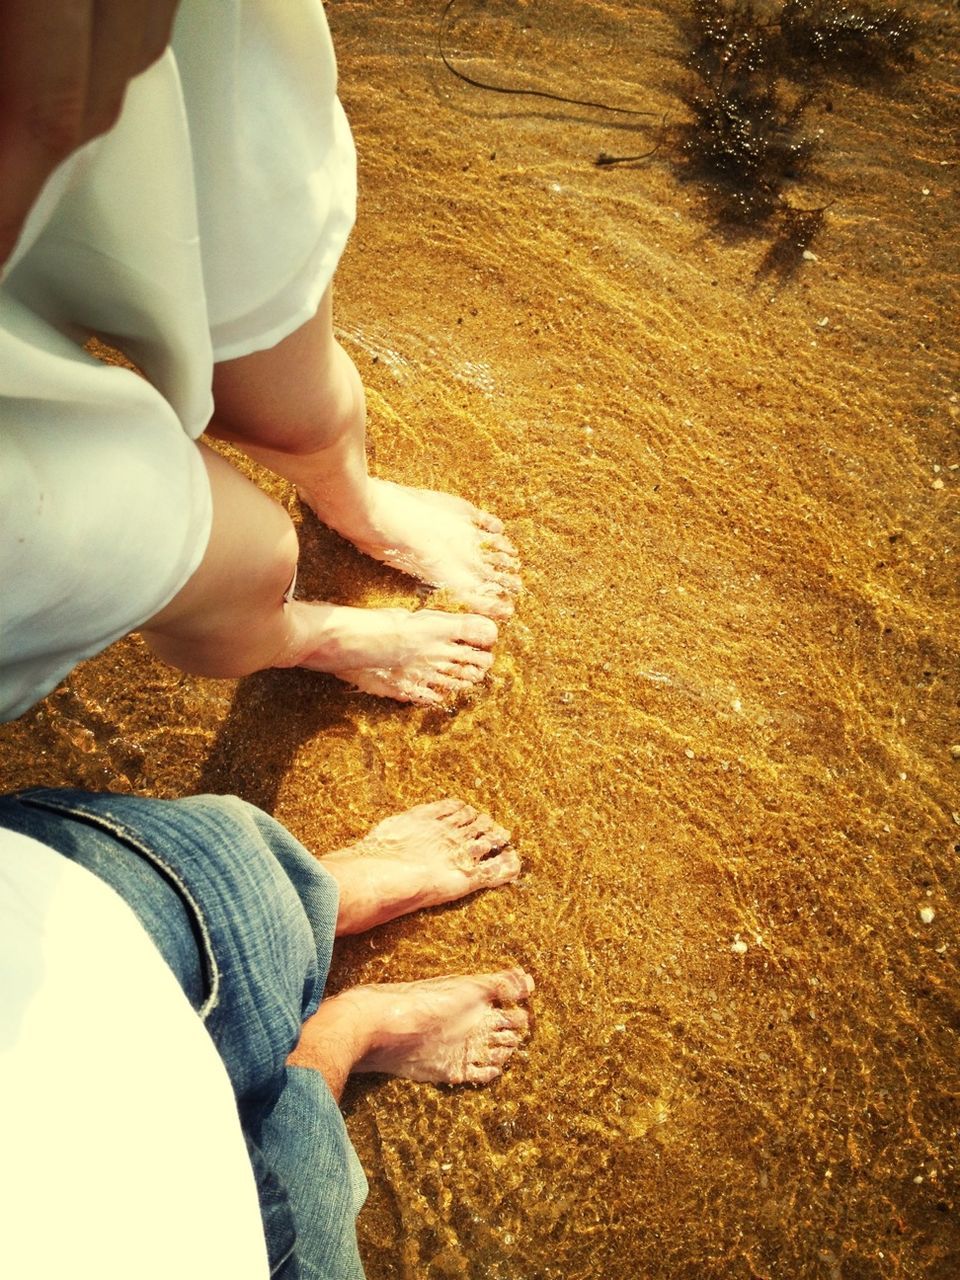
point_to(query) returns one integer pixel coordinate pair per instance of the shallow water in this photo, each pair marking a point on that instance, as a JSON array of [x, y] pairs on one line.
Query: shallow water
[[720, 725]]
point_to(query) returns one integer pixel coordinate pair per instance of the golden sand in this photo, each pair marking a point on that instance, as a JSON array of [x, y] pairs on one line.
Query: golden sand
[[720, 725]]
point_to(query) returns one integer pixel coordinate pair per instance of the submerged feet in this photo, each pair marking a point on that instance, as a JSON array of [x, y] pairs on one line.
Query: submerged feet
[[432, 854], [423, 656], [451, 1030], [446, 1030], [441, 539]]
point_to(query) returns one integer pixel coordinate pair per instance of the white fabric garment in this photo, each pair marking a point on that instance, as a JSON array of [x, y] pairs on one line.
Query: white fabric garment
[[205, 225], [122, 1154]]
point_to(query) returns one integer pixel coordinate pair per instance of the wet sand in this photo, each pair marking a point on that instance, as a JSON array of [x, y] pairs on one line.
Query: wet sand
[[720, 725]]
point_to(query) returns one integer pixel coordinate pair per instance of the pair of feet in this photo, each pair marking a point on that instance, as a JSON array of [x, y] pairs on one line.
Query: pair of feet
[[449, 1030], [425, 656]]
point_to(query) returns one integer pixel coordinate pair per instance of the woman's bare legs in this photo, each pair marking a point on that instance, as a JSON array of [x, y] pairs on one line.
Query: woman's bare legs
[[233, 617], [299, 409]]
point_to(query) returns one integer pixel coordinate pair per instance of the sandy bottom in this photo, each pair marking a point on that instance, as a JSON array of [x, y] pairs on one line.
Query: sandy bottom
[[721, 722]]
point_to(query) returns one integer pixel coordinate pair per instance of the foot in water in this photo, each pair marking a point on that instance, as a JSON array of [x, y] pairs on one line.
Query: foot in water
[[436, 537], [424, 656], [432, 854], [457, 1030]]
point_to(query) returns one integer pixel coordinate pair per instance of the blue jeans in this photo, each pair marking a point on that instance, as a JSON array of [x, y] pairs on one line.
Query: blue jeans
[[245, 918]]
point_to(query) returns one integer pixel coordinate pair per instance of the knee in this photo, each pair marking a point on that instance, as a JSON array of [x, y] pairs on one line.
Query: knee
[[229, 619]]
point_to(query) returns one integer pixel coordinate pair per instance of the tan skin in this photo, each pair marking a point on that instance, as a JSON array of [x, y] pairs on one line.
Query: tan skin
[[453, 1030], [299, 409]]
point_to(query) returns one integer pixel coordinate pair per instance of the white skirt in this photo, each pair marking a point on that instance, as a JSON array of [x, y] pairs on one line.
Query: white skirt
[[205, 225]]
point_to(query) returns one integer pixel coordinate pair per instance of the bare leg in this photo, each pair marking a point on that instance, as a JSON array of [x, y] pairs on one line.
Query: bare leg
[[233, 618], [299, 409], [433, 853], [446, 1030]]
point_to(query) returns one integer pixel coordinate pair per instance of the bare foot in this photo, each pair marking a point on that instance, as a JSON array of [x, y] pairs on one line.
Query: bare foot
[[433, 853], [446, 1030], [424, 656], [441, 539]]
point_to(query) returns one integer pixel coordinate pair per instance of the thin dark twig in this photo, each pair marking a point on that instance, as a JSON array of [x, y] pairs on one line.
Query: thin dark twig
[[604, 159], [530, 93]]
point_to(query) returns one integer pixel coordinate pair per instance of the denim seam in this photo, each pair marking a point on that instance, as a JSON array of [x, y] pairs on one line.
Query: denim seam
[[284, 1260], [116, 828]]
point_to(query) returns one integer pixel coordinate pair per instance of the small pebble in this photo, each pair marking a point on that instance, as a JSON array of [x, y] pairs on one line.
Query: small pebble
[[955, 751], [809, 256], [926, 914], [937, 484], [823, 322], [924, 191], [689, 753], [738, 946]]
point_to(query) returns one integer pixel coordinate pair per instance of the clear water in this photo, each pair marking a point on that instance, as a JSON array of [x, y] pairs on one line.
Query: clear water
[[720, 725]]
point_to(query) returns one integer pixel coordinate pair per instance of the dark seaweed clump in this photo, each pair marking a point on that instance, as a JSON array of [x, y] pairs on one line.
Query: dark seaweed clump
[[745, 139], [852, 37]]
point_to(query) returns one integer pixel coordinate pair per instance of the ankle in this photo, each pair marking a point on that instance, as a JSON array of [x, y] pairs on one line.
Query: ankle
[[340, 1028]]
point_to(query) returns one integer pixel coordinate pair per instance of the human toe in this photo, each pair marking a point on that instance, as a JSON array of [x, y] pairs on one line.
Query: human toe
[[484, 831], [490, 599], [499, 542], [388, 684], [423, 693], [461, 661], [476, 630], [509, 1038], [475, 1074], [512, 582], [501, 560], [489, 523], [510, 984], [500, 869], [496, 1055], [438, 809], [448, 686], [463, 815], [516, 1020]]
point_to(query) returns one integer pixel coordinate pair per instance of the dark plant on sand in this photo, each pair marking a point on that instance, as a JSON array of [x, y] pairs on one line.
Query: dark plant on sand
[[756, 66], [744, 140], [856, 37]]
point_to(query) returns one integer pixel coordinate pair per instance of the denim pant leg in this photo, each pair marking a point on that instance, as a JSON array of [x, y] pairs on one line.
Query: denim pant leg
[[262, 914], [303, 1136], [305, 1139]]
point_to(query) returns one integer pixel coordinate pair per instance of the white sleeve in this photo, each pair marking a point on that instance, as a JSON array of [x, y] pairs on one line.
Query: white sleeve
[[121, 1152]]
